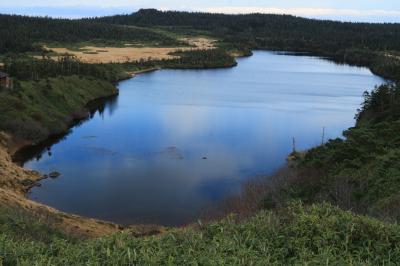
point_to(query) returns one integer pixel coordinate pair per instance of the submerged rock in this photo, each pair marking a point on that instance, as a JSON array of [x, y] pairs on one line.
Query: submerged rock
[[27, 183], [54, 174], [173, 153]]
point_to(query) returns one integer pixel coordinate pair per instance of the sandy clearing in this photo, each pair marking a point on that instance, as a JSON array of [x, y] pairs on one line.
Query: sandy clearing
[[397, 57], [95, 54], [200, 42]]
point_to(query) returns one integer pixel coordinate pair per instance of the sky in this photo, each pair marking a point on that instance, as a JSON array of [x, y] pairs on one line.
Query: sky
[[345, 10]]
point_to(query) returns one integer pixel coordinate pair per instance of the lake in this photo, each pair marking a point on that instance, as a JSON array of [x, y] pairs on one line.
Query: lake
[[175, 141]]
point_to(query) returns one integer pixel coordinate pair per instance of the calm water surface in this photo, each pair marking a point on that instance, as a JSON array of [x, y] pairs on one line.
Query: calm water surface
[[175, 141]]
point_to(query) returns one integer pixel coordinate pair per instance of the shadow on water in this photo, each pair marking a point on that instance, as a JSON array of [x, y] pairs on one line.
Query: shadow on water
[[35, 152]]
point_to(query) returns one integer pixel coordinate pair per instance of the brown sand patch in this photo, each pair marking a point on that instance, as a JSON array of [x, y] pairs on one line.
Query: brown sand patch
[[200, 43], [397, 57], [94, 54]]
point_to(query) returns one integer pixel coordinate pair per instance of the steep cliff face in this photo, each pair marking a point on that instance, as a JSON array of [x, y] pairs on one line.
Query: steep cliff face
[[12, 176]]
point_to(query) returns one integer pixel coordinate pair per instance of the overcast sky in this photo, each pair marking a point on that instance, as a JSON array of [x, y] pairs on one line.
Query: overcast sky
[[349, 10]]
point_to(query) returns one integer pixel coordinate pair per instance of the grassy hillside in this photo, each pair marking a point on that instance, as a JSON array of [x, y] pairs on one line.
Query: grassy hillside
[[296, 235], [35, 109]]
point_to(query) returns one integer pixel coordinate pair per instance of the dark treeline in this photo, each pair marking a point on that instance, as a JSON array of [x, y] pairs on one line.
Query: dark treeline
[[29, 69], [214, 58], [282, 32], [380, 63], [22, 33]]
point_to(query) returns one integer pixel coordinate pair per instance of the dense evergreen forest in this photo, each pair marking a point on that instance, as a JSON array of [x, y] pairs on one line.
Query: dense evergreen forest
[[21, 33], [281, 32]]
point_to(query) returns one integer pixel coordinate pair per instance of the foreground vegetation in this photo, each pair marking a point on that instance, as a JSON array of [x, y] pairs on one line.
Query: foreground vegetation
[[312, 235]]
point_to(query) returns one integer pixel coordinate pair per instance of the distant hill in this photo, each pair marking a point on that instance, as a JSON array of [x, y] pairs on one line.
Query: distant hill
[[22, 33], [285, 32], [273, 31]]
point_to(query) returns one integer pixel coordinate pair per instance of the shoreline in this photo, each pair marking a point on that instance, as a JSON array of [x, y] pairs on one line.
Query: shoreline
[[36, 177]]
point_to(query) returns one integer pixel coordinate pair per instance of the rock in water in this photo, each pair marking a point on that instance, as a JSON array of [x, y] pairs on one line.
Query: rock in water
[[54, 174]]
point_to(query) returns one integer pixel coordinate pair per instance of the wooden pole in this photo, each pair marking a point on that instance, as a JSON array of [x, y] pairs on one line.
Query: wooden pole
[[294, 145]]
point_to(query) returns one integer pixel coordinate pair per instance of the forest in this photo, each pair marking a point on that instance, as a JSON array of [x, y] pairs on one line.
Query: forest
[[22, 33], [266, 31], [282, 32]]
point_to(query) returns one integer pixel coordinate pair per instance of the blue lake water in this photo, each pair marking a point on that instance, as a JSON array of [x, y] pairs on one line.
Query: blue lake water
[[175, 141]]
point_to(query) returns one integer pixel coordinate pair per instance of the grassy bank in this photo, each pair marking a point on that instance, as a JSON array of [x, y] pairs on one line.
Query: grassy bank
[[295, 235], [33, 110]]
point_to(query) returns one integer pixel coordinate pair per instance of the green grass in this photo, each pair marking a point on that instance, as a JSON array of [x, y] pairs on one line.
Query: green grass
[[34, 110], [296, 235]]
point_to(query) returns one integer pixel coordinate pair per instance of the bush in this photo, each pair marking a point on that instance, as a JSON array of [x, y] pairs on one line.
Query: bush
[[296, 235]]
